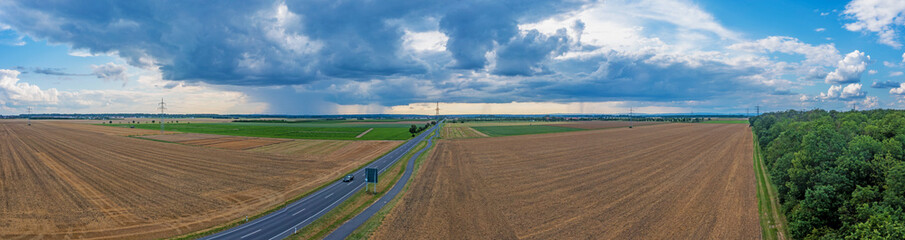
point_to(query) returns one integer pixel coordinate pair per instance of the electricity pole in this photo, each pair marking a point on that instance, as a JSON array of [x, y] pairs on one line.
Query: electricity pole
[[630, 112], [29, 116], [162, 108], [758, 110]]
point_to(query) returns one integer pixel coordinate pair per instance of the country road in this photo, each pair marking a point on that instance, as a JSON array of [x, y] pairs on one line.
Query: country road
[[348, 227], [297, 215]]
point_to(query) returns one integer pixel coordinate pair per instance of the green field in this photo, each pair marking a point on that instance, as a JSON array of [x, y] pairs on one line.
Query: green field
[[289, 130], [497, 131]]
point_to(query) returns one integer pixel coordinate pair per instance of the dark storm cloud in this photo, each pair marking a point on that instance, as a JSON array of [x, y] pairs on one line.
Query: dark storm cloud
[[614, 77], [352, 52], [523, 54]]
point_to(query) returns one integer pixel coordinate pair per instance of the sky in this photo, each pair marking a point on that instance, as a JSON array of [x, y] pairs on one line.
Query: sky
[[471, 56]]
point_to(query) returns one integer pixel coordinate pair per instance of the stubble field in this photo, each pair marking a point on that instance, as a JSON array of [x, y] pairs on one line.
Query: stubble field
[[66, 181], [671, 181]]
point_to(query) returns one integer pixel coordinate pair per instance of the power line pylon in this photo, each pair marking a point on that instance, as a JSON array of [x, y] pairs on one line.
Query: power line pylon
[[162, 106]]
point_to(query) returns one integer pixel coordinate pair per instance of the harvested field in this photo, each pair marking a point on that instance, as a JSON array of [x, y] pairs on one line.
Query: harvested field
[[63, 183], [349, 151], [604, 124], [459, 130], [670, 181], [181, 137], [247, 143], [101, 129]]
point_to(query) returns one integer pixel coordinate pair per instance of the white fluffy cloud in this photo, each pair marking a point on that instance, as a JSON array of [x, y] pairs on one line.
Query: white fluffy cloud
[[837, 92], [882, 17], [899, 90], [425, 41], [824, 54], [16, 93], [16, 96], [866, 103], [849, 69]]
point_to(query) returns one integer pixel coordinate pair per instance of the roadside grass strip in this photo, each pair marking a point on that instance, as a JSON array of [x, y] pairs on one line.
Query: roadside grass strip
[[773, 223]]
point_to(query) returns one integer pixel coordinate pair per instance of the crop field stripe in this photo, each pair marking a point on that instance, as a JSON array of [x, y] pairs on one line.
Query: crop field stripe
[[498, 131], [365, 132], [772, 221]]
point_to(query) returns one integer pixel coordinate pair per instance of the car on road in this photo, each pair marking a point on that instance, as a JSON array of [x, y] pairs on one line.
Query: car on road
[[348, 178]]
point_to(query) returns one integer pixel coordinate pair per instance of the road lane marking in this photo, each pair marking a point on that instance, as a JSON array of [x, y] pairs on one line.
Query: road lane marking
[[328, 196], [246, 235], [322, 210], [398, 154], [303, 209]]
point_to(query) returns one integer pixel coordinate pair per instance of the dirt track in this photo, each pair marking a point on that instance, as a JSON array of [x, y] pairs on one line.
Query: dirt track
[[59, 182], [674, 181]]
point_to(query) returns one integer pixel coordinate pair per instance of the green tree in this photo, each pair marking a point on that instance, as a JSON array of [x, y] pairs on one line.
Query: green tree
[[895, 187], [818, 209]]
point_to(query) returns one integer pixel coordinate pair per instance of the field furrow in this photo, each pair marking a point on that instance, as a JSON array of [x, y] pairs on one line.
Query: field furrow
[[670, 181], [64, 181]]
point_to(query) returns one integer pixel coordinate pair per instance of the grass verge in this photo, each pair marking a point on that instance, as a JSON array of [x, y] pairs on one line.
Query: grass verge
[[370, 226], [772, 222], [356, 203], [216, 229]]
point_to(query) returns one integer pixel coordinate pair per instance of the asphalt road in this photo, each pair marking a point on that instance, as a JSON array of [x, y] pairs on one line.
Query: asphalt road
[[347, 228], [297, 215]]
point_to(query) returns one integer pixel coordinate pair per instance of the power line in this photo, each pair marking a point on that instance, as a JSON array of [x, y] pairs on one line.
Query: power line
[[631, 124], [162, 107]]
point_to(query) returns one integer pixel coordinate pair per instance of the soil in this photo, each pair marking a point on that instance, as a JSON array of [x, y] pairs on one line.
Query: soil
[[74, 182], [669, 181]]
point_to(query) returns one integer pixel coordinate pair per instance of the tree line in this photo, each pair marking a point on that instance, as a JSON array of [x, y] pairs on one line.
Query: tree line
[[839, 175], [416, 129]]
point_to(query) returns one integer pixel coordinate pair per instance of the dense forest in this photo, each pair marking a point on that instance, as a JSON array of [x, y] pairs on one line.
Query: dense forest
[[840, 175]]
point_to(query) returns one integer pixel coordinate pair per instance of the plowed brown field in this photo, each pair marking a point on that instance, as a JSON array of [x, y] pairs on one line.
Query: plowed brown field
[[338, 150], [102, 129], [58, 182], [671, 181]]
